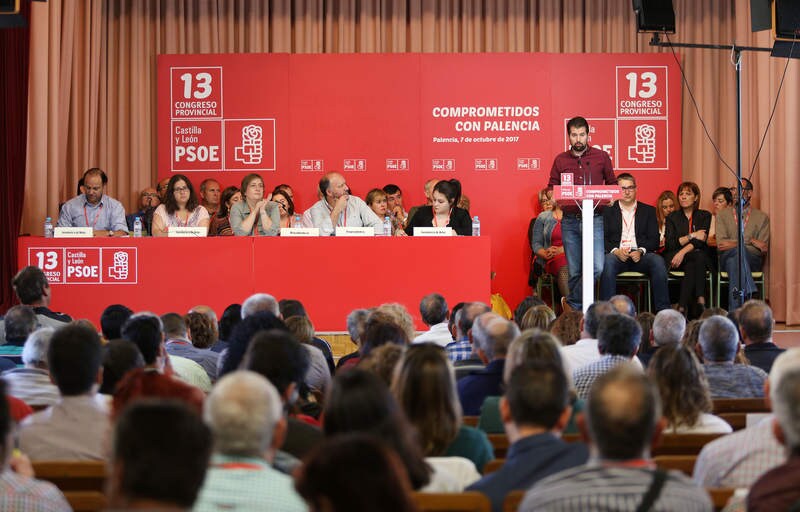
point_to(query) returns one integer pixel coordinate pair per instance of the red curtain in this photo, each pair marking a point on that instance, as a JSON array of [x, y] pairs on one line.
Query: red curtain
[[14, 50]]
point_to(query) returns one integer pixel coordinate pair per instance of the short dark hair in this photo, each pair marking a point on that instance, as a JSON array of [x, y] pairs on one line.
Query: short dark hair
[[204, 183], [693, 188], [719, 339], [119, 357], [725, 192], [112, 319], [145, 331], [619, 335], [622, 422], [29, 284], [594, 314], [20, 321], [626, 176], [523, 307], [229, 319], [243, 334], [391, 188], [226, 196], [170, 203], [471, 311], [95, 171], [163, 448], [433, 308], [379, 332], [537, 394], [280, 358], [74, 358], [578, 122], [289, 201], [324, 183], [755, 319], [291, 307]]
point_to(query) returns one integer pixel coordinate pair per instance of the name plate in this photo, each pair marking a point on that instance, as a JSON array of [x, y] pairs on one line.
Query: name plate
[[86, 232], [187, 231], [433, 231], [355, 231], [299, 231]]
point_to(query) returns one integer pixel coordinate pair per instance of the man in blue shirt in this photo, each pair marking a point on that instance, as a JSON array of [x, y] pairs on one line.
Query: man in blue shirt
[[105, 215]]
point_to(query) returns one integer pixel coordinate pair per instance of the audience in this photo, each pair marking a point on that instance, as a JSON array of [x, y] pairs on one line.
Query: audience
[[318, 377], [356, 324], [160, 455], [32, 383], [179, 342], [460, 351], [585, 350], [622, 420], [567, 327], [245, 415], [119, 357], [434, 313], [112, 320], [77, 426], [537, 317], [19, 322], [668, 329], [293, 307], [755, 326], [32, 289], [229, 319], [382, 361], [719, 343]]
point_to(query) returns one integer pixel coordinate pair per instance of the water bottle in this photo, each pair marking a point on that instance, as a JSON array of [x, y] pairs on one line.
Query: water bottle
[[387, 226], [476, 226], [48, 227], [137, 227], [297, 222]]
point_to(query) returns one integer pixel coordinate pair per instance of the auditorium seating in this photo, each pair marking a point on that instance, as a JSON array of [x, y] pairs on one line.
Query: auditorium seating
[[493, 465], [683, 444], [725, 405], [682, 463], [720, 496], [500, 444], [81, 481], [513, 500], [471, 421], [469, 501], [737, 420]]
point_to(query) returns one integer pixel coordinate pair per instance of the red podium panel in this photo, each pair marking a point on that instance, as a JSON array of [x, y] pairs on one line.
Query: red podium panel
[[331, 276]]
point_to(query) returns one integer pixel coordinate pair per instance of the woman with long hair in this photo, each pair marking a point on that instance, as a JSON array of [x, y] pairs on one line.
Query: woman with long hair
[[665, 204], [220, 223], [444, 210], [546, 242], [180, 208]]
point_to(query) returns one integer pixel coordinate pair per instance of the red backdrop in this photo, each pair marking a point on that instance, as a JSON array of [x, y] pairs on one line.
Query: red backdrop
[[494, 121]]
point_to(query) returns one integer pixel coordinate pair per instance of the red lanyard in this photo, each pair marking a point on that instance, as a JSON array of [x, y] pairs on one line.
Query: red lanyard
[[239, 465], [690, 223], [626, 225], [178, 220], [96, 216], [745, 219], [434, 217]]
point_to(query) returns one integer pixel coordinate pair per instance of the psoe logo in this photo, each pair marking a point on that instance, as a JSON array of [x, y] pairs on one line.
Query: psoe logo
[[443, 164], [119, 269], [252, 148]]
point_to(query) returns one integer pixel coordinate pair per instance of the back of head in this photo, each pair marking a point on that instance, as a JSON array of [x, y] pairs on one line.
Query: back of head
[[567, 327], [533, 346], [74, 358], [719, 339], [119, 357], [34, 353], [594, 314], [381, 331], [146, 332], [301, 328], [356, 324], [539, 317], [382, 361], [433, 309], [374, 479], [755, 320], [397, 314], [523, 307], [260, 302], [242, 411], [242, 335], [787, 361], [229, 319], [112, 319], [619, 335], [537, 394], [785, 398], [624, 305], [201, 329], [469, 313], [291, 307], [623, 410], [668, 327], [20, 321], [277, 356], [425, 388], [161, 452], [174, 325], [29, 284], [492, 334], [682, 384]]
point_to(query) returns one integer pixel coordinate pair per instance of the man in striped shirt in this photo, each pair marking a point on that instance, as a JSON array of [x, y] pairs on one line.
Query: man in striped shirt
[[623, 419]]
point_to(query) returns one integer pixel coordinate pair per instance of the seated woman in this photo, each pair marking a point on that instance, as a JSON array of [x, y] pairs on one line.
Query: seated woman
[[685, 398], [686, 248], [285, 206], [425, 386], [220, 223], [377, 201], [532, 346], [722, 198], [255, 215], [546, 241], [443, 212], [180, 208], [666, 204]]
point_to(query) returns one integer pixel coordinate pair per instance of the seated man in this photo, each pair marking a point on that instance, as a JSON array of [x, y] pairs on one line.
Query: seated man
[[148, 201], [32, 384], [179, 344], [429, 185], [623, 418], [245, 414], [160, 457], [32, 289], [534, 410], [77, 427], [668, 328], [755, 326], [435, 313], [19, 323], [105, 215], [618, 340], [719, 343], [338, 208], [756, 244], [631, 241], [210, 193], [461, 350], [394, 206], [19, 491], [112, 319]]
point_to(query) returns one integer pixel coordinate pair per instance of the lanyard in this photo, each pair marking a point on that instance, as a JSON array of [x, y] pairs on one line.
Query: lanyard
[[744, 220], [239, 465], [447, 222], [96, 216], [690, 222], [626, 226]]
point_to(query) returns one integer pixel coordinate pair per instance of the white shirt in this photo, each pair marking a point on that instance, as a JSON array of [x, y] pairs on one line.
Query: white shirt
[[439, 334], [450, 474], [705, 424]]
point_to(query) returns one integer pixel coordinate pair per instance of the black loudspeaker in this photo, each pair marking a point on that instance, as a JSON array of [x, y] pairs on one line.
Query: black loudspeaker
[[654, 16], [760, 15], [787, 19]]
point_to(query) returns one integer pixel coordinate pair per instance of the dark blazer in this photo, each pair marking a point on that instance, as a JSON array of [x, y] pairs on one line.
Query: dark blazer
[[645, 226], [677, 225], [460, 220]]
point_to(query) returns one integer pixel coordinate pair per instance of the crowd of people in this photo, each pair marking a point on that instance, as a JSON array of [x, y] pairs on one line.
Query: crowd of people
[[249, 410]]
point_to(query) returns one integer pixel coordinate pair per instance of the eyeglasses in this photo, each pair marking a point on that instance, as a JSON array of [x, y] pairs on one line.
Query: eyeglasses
[[181, 189], [628, 189]]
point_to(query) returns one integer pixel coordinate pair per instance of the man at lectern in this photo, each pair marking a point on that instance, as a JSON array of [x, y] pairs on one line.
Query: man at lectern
[[105, 215], [588, 166], [338, 208]]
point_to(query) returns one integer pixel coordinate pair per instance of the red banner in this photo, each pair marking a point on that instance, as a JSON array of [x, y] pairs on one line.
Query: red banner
[[494, 121]]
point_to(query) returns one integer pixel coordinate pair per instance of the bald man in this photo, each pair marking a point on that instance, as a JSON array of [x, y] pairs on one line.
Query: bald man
[[338, 208]]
